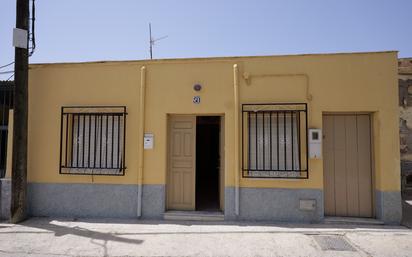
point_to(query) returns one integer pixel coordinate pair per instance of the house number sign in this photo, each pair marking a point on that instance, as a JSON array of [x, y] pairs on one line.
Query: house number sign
[[196, 99]]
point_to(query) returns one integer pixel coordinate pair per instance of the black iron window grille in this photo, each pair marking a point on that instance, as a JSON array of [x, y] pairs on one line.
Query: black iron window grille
[[274, 141], [92, 140]]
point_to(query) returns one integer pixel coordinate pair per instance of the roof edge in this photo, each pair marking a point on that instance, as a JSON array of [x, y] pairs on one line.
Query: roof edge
[[217, 58]]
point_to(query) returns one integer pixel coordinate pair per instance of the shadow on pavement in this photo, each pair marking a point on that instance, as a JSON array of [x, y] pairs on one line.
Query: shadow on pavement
[[46, 223], [58, 230]]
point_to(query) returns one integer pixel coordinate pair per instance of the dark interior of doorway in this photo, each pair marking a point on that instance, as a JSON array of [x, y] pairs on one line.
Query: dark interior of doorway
[[207, 163]]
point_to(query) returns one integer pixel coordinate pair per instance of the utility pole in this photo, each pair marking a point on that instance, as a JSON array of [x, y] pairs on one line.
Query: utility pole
[[19, 159]]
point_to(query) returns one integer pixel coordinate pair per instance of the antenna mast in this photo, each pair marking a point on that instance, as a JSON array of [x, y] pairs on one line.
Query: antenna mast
[[152, 40]]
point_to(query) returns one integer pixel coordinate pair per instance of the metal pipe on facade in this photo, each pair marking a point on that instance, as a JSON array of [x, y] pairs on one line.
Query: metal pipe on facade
[[141, 137], [236, 97]]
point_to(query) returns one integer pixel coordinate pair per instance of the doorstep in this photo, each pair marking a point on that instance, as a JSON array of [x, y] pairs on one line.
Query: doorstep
[[194, 215], [352, 221]]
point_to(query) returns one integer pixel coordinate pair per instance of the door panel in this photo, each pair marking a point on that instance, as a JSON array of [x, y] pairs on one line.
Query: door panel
[[340, 166], [365, 166], [181, 163], [352, 171], [347, 165], [328, 165]]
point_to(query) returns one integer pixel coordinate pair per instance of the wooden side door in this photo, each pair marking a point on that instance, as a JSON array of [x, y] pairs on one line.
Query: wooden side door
[[347, 165], [181, 179]]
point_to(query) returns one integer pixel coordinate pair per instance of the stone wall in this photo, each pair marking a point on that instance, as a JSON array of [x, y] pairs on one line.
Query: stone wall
[[405, 105]]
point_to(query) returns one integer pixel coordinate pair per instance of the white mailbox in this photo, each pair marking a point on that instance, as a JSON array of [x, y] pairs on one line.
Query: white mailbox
[[148, 141], [315, 143]]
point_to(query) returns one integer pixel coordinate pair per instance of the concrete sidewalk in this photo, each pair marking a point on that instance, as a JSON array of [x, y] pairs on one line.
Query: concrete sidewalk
[[90, 237]]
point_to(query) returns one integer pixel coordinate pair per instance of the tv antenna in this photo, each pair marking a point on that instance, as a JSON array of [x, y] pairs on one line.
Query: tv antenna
[[152, 41]]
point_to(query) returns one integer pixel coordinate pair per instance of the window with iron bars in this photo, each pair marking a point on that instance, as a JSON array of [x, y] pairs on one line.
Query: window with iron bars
[[92, 140], [274, 141]]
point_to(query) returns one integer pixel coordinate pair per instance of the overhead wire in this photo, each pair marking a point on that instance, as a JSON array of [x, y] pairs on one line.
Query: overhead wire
[[6, 65], [7, 72], [10, 77]]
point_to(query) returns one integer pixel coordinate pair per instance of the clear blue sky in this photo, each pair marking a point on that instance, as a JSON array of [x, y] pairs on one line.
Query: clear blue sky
[[87, 30]]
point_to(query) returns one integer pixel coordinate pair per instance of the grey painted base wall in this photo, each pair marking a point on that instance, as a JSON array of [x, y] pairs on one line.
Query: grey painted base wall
[[120, 201], [274, 204], [153, 201], [5, 198], [230, 213], [95, 200], [388, 206], [82, 200]]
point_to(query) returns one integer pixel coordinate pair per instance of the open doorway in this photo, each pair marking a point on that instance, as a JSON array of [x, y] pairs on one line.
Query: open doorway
[[207, 163]]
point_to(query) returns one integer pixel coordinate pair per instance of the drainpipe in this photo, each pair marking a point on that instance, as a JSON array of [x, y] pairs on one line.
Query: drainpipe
[[140, 141], [236, 96]]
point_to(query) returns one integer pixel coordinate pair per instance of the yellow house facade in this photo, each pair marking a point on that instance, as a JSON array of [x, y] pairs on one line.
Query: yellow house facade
[[280, 138]]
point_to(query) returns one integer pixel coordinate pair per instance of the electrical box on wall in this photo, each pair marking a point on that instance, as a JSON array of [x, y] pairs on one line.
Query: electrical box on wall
[[315, 143]]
